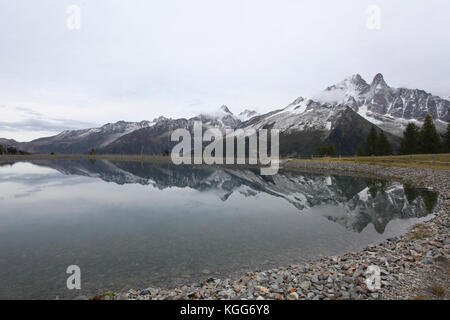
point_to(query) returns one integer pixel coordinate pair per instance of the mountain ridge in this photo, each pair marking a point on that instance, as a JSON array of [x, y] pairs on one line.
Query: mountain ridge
[[341, 115]]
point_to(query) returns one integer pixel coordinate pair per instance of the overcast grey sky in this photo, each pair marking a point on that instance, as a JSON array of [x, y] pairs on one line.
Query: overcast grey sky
[[138, 59]]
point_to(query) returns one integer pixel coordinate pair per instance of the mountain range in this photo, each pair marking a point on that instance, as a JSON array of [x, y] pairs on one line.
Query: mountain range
[[341, 115]]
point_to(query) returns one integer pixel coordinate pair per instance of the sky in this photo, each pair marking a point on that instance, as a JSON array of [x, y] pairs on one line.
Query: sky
[[72, 64]]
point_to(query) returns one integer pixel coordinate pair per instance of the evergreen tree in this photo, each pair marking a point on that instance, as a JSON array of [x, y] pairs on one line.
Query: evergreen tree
[[326, 150], [411, 192], [429, 199], [446, 140], [372, 142], [11, 150], [360, 151], [410, 141], [384, 147], [428, 137]]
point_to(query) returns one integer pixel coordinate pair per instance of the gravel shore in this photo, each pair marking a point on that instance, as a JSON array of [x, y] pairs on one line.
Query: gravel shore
[[412, 266]]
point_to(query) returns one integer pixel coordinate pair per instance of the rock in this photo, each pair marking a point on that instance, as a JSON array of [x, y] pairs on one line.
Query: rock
[[261, 277], [293, 296], [323, 277], [264, 290], [305, 285]]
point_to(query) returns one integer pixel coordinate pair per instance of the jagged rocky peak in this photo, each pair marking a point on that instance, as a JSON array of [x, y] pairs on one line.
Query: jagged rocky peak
[[357, 82], [145, 123], [353, 85], [122, 123], [297, 101], [160, 119], [225, 109], [378, 82], [388, 107], [222, 117], [220, 113]]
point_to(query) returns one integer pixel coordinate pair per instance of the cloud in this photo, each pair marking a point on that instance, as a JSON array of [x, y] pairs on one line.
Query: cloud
[[55, 125], [29, 111], [334, 96]]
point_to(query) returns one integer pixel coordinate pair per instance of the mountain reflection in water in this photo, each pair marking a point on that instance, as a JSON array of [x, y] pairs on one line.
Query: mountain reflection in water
[[132, 224], [360, 202]]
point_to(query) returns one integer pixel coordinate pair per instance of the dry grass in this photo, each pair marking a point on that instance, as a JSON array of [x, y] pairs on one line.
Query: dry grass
[[420, 231], [437, 290], [435, 161]]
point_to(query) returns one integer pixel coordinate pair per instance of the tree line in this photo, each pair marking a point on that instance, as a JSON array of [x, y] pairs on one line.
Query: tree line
[[424, 140], [11, 150], [376, 145], [415, 140]]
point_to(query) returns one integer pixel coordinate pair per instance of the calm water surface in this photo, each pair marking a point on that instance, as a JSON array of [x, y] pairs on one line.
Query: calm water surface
[[132, 225]]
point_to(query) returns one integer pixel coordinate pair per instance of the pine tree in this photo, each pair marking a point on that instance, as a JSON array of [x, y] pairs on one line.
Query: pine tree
[[372, 142], [446, 142], [384, 147], [428, 137], [410, 141], [360, 151], [326, 150]]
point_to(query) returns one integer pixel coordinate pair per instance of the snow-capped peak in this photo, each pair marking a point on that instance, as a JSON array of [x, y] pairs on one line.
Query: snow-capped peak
[[390, 108], [225, 109], [222, 112], [247, 114], [378, 81], [354, 86]]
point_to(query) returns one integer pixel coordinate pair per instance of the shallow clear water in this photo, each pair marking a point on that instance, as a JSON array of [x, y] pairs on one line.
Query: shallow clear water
[[132, 225]]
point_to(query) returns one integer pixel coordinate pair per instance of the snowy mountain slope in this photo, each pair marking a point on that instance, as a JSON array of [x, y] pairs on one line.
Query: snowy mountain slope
[[156, 138], [81, 141], [302, 114], [247, 115], [306, 124], [389, 108]]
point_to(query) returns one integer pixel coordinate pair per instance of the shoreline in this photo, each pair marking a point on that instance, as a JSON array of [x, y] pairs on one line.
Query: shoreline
[[414, 265]]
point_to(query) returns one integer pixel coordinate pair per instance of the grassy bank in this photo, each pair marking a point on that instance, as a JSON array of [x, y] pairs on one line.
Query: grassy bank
[[435, 161]]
